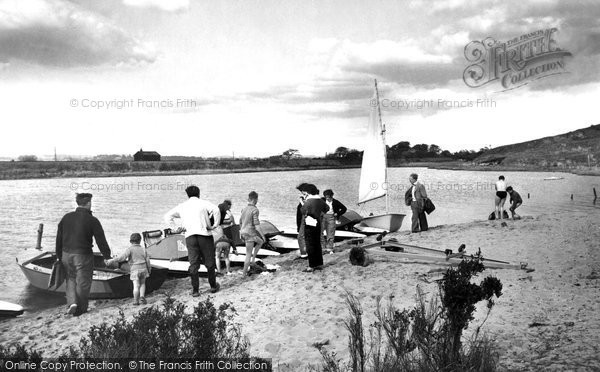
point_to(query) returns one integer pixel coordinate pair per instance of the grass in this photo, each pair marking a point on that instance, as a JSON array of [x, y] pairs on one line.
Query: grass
[[428, 337]]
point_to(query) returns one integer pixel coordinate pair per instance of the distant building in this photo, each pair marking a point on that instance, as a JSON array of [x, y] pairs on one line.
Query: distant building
[[146, 156]]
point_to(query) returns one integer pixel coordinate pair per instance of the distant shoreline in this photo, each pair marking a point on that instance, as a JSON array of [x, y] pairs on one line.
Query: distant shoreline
[[92, 169]]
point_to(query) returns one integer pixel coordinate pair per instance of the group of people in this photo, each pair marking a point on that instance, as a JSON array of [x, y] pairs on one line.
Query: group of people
[[502, 191], [208, 234], [316, 220]]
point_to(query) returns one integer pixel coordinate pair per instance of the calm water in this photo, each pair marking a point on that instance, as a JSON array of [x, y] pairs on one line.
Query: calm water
[[134, 204]]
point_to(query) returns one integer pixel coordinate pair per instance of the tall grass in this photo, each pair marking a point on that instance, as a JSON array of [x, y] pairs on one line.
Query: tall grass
[[427, 337]]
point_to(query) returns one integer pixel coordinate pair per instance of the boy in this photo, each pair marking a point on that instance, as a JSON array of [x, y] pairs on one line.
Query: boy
[[515, 201], [250, 230], [223, 236], [139, 264]]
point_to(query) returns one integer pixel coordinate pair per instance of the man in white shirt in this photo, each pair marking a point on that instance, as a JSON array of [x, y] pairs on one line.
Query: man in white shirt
[[195, 217]]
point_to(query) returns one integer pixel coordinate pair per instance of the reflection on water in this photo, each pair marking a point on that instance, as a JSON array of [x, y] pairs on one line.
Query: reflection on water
[[134, 204]]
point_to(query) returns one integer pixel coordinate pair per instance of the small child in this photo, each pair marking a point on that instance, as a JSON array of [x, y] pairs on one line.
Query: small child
[[139, 264], [515, 202]]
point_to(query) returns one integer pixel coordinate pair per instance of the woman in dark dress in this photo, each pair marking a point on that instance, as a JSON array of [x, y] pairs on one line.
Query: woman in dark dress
[[312, 211]]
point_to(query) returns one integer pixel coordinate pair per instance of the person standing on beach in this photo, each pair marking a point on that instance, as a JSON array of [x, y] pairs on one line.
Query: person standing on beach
[[74, 249], [500, 197], [515, 201], [336, 209], [139, 267], [417, 204], [250, 230], [300, 220], [194, 216], [313, 210], [223, 236]]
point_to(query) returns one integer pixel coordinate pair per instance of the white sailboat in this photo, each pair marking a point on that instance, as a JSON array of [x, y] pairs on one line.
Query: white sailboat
[[373, 175]]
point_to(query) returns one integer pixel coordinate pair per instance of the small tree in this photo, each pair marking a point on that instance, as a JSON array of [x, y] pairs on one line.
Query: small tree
[[291, 153]]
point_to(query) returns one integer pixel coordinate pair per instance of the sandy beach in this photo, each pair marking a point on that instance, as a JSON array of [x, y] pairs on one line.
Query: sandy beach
[[545, 320]]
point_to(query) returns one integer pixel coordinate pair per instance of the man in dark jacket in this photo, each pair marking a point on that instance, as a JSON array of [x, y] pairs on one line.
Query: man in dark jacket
[[417, 205], [336, 209], [74, 249]]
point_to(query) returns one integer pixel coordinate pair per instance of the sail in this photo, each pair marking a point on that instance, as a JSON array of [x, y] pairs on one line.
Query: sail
[[373, 171]]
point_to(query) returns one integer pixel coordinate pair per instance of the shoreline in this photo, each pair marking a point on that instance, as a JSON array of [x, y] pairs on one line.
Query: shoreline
[[560, 297], [455, 166]]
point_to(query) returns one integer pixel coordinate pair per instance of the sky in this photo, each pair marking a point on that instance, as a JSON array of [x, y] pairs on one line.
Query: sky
[[255, 78]]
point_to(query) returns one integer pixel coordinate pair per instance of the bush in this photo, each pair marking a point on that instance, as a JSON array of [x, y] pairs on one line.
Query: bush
[[159, 333], [206, 333], [426, 338]]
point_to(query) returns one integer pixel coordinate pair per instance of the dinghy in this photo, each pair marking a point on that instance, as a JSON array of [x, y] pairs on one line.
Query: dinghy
[[373, 174], [106, 282], [170, 251]]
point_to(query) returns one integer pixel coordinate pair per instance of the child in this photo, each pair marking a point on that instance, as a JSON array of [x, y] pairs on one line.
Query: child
[[223, 238], [515, 201], [139, 264], [250, 230]]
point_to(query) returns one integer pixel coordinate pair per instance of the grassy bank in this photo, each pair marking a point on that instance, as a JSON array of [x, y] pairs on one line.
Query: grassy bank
[[66, 169]]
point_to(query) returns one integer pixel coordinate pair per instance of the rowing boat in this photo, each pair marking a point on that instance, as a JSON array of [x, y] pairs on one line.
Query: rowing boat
[[106, 282]]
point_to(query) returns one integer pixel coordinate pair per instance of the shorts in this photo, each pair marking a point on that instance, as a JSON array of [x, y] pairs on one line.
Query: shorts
[[140, 275], [501, 194], [225, 248], [251, 238]]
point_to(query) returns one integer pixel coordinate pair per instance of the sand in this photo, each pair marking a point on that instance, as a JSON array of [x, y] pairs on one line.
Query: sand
[[545, 320]]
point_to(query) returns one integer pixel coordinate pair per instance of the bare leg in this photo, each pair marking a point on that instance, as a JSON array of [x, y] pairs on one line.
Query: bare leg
[[502, 208], [143, 289], [218, 257], [497, 207], [249, 246], [227, 262], [258, 244], [136, 291]]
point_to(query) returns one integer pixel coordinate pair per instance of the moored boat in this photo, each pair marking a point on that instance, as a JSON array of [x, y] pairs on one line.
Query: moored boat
[[373, 174], [106, 282]]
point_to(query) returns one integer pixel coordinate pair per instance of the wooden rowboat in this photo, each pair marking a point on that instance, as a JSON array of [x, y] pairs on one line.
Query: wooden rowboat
[[106, 282]]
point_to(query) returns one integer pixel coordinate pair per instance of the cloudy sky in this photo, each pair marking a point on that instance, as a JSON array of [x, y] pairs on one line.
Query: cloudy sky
[[195, 77]]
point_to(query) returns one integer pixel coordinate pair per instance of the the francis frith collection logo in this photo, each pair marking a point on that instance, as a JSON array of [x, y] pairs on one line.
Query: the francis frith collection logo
[[515, 62]]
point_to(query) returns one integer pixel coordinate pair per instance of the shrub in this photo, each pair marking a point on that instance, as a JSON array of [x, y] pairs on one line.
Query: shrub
[[164, 332], [206, 333], [426, 338]]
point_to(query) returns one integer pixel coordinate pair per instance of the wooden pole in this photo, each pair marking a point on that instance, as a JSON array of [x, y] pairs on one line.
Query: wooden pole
[[595, 195], [527, 195], [40, 232], [571, 196]]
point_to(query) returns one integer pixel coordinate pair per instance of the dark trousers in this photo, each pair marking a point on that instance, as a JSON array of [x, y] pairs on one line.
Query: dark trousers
[[312, 238], [80, 269], [201, 250], [419, 219]]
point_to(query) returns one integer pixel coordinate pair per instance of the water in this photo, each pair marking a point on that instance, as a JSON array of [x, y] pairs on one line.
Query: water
[[134, 204]]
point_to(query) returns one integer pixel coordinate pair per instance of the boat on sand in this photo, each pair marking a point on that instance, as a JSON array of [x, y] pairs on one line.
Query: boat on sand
[[106, 282]]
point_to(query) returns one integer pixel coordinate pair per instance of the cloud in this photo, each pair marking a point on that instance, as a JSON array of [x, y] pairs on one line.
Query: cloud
[[165, 5], [63, 34]]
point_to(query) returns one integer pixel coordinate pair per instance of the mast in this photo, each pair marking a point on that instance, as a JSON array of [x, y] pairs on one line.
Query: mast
[[387, 199]]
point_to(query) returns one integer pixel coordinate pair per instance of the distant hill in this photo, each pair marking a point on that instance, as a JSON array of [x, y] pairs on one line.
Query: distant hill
[[569, 150]]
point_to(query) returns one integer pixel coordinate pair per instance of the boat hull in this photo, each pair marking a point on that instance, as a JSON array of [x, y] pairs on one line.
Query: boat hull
[[106, 283], [9, 309], [173, 247], [181, 267], [390, 222]]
